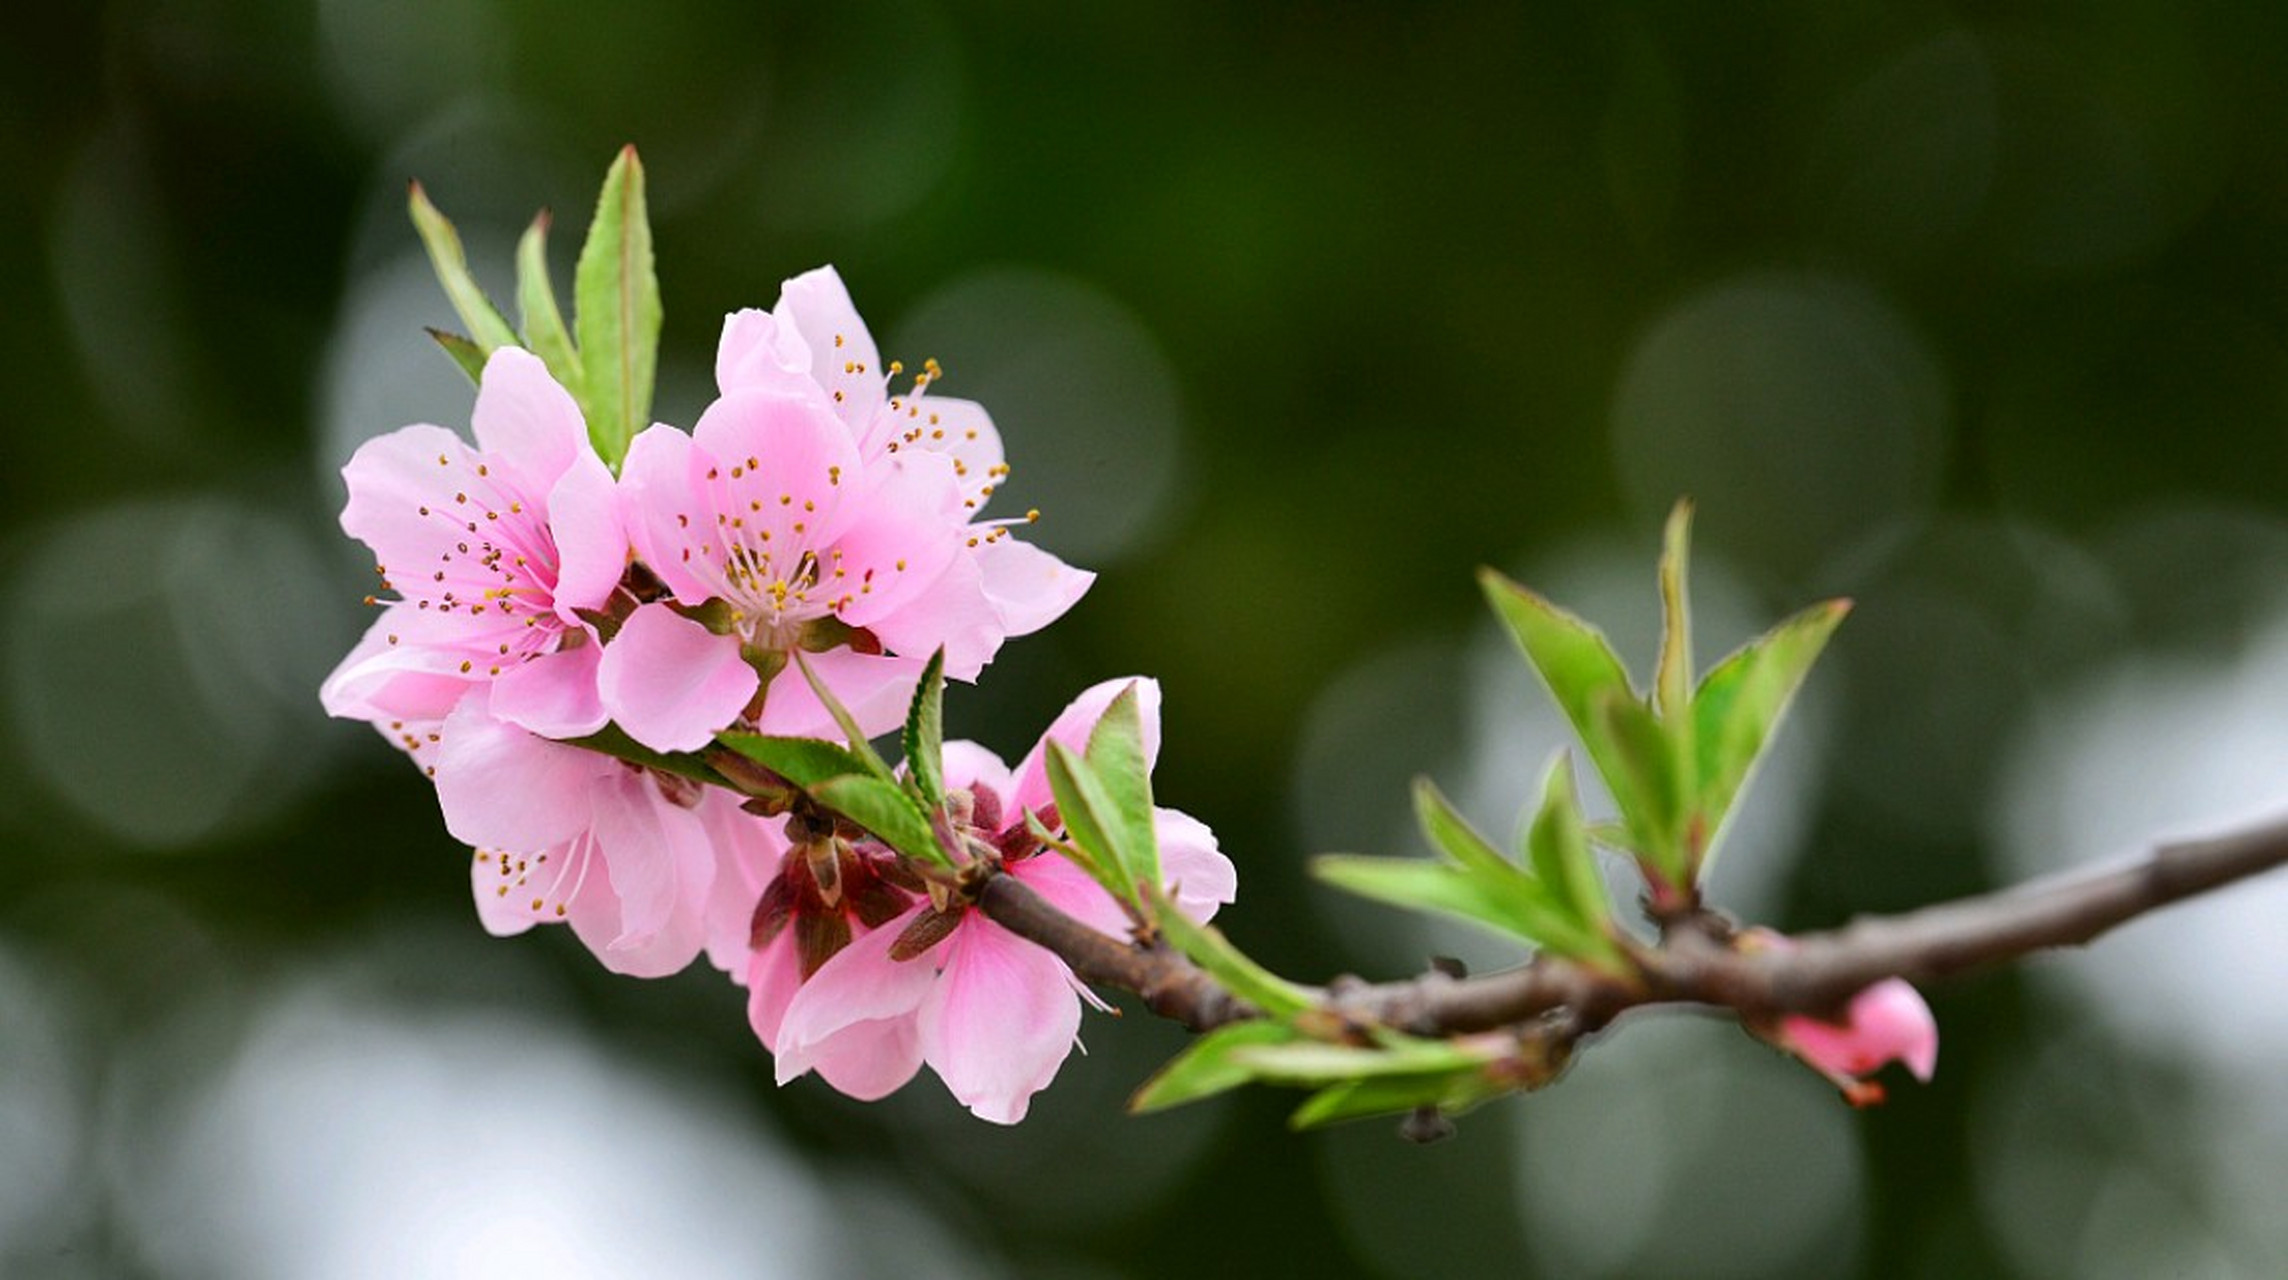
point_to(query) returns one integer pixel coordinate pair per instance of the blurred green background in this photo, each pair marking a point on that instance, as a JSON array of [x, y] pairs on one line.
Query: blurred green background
[[1291, 315]]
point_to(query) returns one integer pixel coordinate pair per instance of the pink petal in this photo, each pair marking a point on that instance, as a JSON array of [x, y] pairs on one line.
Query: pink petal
[[1887, 1021], [591, 544], [748, 851], [774, 975], [959, 429], [380, 680], [1197, 874], [1000, 1020], [400, 487], [857, 991], [1030, 587], [523, 420], [953, 612], [757, 353], [1073, 891], [897, 536], [1072, 728], [843, 359], [503, 788], [672, 683], [515, 891], [876, 688], [553, 695], [869, 1061], [659, 867], [656, 502]]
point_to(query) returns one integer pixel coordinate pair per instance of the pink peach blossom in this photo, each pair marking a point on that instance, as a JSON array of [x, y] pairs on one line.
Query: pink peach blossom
[[1886, 1022], [993, 1014]]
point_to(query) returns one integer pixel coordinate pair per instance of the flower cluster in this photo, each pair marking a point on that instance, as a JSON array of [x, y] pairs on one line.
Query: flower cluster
[[815, 514]]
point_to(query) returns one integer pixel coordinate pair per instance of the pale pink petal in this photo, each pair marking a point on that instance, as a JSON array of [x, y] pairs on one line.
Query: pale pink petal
[[842, 355], [757, 353], [1030, 587], [1197, 874], [382, 679], [523, 420], [859, 985], [897, 536], [959, 429], [672, 683], [970, 767], [401, 487], [1000, 1020], [774, 975], [656, 499], [1887, 1021], [953, 612], [1072, 728], [554, 694], [515, 891], [877, 689], [659, 865], [591, 543], [1073, 891], [868, 1061], [503, 788], [748, 851]]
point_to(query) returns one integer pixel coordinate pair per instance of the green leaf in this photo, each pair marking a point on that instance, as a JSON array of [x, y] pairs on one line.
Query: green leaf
[[805, 762], [1741, 702], [486, 326], [465, 353], [1322, 1062], [1206, 1067], [613, 741], [1244, 978], [1644, 782], [924, 737], [1116, 755], [1449, 1091], [1672, 683], [544, 331], [1575, 662], [1448, 830], [1518, 906], [885, 809], [859, 746], [617, 311], [1557, 846], [1083, 804]]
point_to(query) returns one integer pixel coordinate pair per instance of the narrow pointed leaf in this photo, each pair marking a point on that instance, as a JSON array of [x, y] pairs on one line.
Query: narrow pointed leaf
[[544, 332], [1449, 1091], [1215, 953], [1206, 1068], [924, 736], [1116, 756], [1672, 682], [805, 762], [486, 326], [1558, 848], [1644, 780], [468, 355], [859, 746], [1304, 1061], [613, 741], [1450, 832], [885, 809], [617, 311], [1742, 700], [1574, 661], [1517, 907], [1083, 804]]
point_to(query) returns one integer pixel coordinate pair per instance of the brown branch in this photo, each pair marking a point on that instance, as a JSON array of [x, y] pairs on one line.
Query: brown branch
[[1695, 966]]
